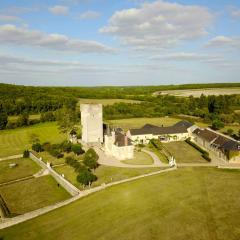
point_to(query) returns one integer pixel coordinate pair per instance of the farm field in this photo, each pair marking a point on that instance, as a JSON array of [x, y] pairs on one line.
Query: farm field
[[140, 158], [106, 101], [184, 204], [25, 167], [25, 196], [31, 117], [105, 174], [140, 122], [198, 92], [15, 141], [184, 153]]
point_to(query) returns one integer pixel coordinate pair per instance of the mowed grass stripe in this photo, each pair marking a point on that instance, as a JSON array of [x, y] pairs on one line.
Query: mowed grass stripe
[[16, 140], [173, 205]]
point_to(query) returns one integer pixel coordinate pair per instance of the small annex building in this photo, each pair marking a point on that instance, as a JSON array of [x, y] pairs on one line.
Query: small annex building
[[224, 147], [118, 145], [178, 132]]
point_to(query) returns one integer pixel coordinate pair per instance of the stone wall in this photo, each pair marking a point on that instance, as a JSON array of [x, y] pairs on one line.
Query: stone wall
[[61, 180]]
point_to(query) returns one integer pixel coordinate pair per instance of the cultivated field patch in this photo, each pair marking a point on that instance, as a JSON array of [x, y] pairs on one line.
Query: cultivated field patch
[[184, 153], [106, 101], [25, 196], [15, 141], [24, 167]]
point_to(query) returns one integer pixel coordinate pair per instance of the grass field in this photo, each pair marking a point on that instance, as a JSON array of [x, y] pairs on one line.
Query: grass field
[[32, 194], [190, 203], [14, 141], [25, 167], [105, 174], [140, 158], [106, 101], [184, 153], [160, 155], [198, 92], [31, 117]]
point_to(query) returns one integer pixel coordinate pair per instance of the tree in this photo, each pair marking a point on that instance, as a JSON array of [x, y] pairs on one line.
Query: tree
[[3, 119], [77, 149], [66, 146], [23, 120], [230, 131], [217, 124], [26, 154], [37, 147], [90, 159], [85, 177]]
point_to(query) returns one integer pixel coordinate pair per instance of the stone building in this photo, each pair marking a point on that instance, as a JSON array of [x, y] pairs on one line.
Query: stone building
[[117, 144], [178, 132], [92, 123]]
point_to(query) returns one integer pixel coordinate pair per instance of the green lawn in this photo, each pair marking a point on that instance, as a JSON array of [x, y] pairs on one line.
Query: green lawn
[[106, 101], [189, 203], [105, 174], [25, 167], [160, 155], [140, 158], [184, 153], [31, 117], [14, 141], [32, 194]]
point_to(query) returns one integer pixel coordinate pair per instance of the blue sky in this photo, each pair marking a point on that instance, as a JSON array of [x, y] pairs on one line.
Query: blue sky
[[127, 42]]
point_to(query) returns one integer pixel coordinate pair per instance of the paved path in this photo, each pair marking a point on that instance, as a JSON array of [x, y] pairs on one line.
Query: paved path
[[7, 222], [11, 157], [113, 162], [155, 158]]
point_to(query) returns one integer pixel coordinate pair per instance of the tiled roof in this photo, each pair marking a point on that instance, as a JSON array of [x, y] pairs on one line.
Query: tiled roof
[[155, 130], [205, 134], [122, 140]]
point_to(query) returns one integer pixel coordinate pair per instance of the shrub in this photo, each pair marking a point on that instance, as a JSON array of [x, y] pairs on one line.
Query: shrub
[[230, 131], [205, 154], [47, 146], [66, 146], [77, 149], [86, 177], [217, 124], [26, 154], [37, 147]]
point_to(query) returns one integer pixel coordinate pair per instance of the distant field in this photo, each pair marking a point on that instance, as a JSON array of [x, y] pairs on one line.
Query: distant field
[[184, 153], [106, 101], [140, 122], [31, 117], [32, 194], [25, 167], [140, 158], [14, 141], [189, 203], [105, 174], [198, 92]]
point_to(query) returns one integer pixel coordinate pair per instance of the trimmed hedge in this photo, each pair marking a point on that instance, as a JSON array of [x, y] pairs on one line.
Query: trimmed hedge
[[204, 153]]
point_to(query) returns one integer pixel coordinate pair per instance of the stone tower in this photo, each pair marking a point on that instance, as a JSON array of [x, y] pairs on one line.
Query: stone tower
[[92, 123]]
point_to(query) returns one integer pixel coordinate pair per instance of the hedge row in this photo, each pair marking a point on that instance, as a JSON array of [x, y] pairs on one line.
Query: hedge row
[[205, 154]]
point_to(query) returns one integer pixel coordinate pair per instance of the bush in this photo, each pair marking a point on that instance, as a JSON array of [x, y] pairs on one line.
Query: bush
[[26, 154], [37, 147], [90, 159], [66, 146], [204, 153], [217, 124], [77, 149], [47, 146], [86, 177]]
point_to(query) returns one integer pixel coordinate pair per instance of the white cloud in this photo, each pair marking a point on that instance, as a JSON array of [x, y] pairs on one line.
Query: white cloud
[[224, 42], [59, 10], [158, 24], [10, 34], [235, 12], [9, 18], [89, 15]]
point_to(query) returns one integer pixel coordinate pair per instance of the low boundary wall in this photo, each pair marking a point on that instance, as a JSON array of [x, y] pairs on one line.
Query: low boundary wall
[[61, 180]]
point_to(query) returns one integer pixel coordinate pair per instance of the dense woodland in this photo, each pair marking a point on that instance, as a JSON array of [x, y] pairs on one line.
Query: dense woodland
[[60, 103]]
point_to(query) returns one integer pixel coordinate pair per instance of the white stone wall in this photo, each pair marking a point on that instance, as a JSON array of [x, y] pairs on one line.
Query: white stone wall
[[121, 153], [92, 123]]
